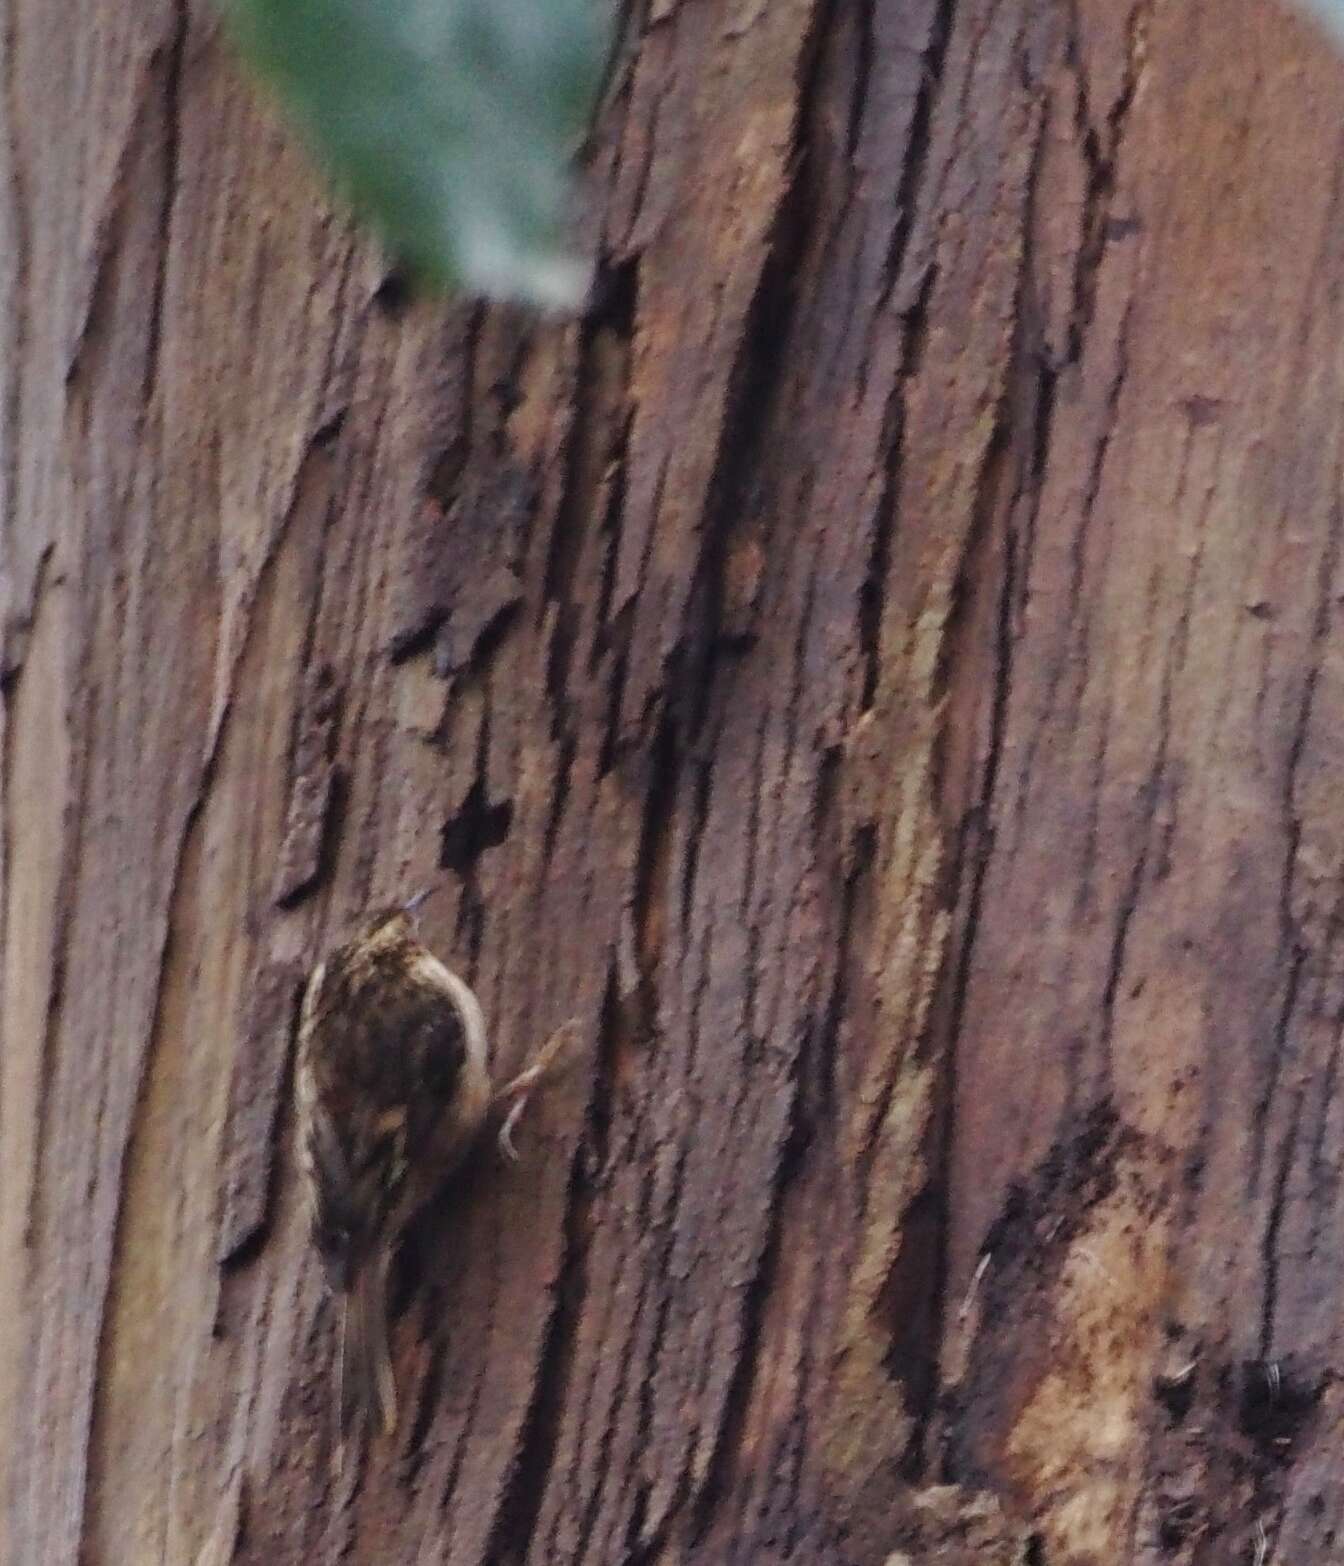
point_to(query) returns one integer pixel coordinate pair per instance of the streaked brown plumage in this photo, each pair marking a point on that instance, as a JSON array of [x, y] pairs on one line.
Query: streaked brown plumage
[[392, 1089]]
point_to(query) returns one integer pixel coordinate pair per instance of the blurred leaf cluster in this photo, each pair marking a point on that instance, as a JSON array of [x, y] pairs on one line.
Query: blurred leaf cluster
[[451, 125]]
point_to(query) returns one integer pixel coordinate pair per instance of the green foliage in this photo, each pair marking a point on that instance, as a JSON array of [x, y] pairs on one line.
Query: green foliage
[[450, 124]]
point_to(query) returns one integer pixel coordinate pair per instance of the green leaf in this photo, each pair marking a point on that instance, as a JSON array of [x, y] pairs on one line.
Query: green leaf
[[450, 124]]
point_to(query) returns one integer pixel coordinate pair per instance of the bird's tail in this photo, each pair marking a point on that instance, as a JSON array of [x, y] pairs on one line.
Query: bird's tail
[[368, 1387]]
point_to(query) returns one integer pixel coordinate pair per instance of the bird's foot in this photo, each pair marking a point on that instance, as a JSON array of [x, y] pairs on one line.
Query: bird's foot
[[516, 1093], [514, 1115]]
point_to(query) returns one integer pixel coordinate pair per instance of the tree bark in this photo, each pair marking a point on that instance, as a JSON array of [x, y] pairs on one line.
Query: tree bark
[[881, 670]]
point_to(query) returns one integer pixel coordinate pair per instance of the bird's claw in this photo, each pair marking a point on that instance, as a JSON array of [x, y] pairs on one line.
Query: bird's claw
[[506, 1130], [517, 1092]]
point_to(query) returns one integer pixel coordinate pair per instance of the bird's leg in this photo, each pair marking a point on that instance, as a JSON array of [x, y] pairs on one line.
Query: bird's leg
[[511, 1099]]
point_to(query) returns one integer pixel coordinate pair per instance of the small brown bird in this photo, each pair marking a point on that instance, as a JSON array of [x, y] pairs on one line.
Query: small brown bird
[[392, 1090]]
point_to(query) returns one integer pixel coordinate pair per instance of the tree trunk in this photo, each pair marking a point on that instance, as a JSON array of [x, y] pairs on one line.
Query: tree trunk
[[882, 671]]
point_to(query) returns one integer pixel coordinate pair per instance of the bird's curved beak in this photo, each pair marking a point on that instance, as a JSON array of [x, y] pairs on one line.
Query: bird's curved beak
[[412, 904]]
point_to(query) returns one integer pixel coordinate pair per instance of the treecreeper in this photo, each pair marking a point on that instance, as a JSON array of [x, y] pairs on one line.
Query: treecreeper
[[393, 1089]]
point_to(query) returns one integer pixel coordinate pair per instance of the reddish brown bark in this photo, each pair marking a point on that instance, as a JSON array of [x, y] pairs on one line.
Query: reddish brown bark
[[880, 670]]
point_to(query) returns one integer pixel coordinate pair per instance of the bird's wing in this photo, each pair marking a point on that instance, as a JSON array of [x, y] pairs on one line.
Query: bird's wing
[[393, 1062], [336, 1219]]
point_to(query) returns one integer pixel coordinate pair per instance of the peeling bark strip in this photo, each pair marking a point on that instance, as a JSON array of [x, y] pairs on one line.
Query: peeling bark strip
[[313, 797], [251, 1131], [880, 670]]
